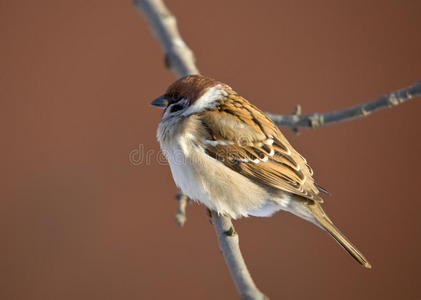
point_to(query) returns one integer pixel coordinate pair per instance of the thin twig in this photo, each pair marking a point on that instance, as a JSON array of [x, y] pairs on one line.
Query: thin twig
[[179, 58], [163, 24], [229, 244], [315, 120]]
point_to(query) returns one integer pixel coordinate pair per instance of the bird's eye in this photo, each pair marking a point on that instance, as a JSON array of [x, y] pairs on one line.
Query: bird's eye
[[175, 97]]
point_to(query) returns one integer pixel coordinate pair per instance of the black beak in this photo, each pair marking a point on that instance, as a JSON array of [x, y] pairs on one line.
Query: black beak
[[160, 102]]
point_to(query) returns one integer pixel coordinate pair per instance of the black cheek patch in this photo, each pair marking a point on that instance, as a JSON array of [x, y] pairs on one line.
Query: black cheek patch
[[176, 107]]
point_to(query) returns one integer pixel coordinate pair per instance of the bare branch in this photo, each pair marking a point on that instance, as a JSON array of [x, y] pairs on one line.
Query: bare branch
[[314, 120], [163, 24], [180, 59], [229, 244]]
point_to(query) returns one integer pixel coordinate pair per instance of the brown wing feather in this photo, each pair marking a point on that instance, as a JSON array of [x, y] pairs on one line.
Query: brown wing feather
[[248, 142]]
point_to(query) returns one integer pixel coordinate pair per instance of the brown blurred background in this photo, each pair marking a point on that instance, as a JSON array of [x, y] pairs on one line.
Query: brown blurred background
[[79, 221]]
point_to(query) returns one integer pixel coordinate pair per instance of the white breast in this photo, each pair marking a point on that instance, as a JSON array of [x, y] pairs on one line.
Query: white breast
[[210, 182]]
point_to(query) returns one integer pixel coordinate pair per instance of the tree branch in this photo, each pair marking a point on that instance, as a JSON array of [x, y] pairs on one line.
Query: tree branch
[[315, 120], [180, 59], [229, 244], [163, 24]]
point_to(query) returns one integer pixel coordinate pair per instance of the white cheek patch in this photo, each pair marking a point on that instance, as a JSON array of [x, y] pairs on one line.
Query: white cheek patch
[[207, 100]]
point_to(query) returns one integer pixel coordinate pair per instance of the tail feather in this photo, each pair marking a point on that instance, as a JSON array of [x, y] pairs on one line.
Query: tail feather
[[324, 221]]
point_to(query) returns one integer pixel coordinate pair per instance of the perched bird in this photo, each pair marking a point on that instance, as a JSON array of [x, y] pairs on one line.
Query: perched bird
[[227, 154]]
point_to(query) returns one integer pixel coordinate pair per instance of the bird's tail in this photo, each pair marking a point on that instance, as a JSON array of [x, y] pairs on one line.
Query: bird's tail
[[323, 221]]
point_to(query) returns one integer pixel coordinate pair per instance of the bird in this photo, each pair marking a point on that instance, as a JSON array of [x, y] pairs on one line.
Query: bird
[[225, 153]]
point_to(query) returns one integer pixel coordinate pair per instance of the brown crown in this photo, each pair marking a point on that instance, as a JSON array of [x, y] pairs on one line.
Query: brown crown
[[191, 87]]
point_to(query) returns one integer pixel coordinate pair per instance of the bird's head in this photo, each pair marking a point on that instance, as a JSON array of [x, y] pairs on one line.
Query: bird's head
[[191, 94]]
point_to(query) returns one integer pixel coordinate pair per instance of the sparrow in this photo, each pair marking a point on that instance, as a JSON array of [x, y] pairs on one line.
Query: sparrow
[[227, 154]]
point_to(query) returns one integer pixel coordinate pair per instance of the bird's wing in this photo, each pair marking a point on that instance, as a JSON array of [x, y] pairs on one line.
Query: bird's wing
[[248, 142]]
